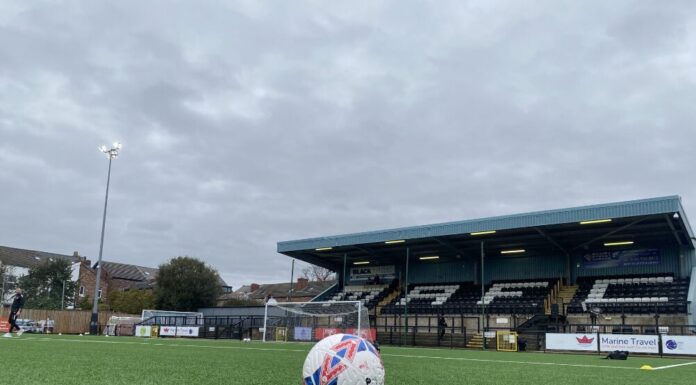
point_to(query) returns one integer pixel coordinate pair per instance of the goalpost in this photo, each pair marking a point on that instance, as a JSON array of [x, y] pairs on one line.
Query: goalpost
[[312, 321]]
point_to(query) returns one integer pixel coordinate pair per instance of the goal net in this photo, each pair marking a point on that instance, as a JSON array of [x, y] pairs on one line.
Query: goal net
[[117, 326], [313, 321], [506, 341]]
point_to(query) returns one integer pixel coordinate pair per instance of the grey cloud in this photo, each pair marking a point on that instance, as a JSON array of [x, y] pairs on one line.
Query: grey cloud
[[247, 123]]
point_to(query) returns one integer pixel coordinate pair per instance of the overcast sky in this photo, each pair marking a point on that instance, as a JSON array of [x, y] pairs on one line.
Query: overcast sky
[[251, 122]]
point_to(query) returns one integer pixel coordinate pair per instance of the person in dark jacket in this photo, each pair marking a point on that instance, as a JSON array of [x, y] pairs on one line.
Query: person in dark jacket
[[441, 325], [15, 311]]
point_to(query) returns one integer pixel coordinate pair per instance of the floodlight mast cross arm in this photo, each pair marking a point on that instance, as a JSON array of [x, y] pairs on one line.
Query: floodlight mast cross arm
[[110, 153]]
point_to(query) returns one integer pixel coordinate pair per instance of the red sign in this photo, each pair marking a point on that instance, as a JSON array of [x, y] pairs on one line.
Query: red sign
[[4, 326], [368, 334], [322, 333]]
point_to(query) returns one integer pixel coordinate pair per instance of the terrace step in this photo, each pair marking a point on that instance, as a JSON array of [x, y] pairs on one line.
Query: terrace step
[[476, 342]]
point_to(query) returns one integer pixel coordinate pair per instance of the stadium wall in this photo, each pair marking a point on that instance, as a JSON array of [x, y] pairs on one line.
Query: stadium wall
[[673, 260], [523, 268], [461, 271]]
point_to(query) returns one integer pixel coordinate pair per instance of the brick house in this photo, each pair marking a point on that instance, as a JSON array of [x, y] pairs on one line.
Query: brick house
[[119, 277], [114, 277], [17, 262]]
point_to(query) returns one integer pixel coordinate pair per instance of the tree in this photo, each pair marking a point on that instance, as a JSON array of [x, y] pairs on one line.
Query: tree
[[132, 301], [9, 281], [43, 286], [186, 284], [318, 274], [85, 303], [241, 302]]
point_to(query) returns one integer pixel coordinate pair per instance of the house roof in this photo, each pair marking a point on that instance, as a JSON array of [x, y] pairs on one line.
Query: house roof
[[129, 272], [29, 258], [135, 272], [280, 290]]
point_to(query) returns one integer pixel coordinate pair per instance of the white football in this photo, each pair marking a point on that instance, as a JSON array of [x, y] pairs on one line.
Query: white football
[[247, 339], [343, 359]]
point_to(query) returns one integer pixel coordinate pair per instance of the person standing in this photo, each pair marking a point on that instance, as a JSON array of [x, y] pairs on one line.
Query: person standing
[[15, 311], [441, 325]]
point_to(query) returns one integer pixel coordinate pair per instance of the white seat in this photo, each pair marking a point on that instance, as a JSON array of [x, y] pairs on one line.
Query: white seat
[[664, 299]]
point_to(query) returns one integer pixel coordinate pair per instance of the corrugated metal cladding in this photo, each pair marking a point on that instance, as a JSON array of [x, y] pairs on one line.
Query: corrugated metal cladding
[[664, 205], [691, 299], [506, 269], [441, 272], [688, 260], [669, 263]]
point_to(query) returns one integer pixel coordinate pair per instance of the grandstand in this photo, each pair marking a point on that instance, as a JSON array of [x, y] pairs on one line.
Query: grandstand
[[627, 264]]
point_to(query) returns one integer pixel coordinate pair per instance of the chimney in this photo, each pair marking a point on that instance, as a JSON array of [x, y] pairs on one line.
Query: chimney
[[301, 284], [254, 287]]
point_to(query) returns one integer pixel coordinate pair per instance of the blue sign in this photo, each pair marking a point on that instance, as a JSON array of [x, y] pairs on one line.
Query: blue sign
[[303, 334], [623, 258]]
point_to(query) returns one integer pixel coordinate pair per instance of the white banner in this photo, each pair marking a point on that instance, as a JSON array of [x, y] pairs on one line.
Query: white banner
[[369, 272], [580, 342], [167, 331], [634, 343], [678, 344], [187, 331], [143, 331]]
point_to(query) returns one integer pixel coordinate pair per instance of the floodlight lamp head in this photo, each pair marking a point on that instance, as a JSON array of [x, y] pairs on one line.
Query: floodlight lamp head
[[111, 153]]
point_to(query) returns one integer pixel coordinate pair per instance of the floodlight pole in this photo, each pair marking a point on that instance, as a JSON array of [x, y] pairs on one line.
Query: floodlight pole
[[345, 257], [94, 321], [292, 278], [483, 296], [408, 254], [265, 321]]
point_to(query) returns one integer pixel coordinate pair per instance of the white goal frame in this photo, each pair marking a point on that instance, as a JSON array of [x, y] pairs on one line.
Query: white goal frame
[[360, 312]]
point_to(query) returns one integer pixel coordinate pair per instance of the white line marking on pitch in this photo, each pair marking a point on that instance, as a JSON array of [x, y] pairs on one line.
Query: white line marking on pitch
[[158, 344], [674, 366], [511, 362], [298, 350]]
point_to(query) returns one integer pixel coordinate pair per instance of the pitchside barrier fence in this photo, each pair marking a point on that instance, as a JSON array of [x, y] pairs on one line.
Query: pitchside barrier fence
[[429, 323], [64, 321], [666, 340]]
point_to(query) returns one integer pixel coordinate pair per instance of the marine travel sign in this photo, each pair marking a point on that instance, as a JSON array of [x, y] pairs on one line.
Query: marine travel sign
[[634, 343]]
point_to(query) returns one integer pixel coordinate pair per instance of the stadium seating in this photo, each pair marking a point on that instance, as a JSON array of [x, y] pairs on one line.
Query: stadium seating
[[426, 298], [369, 295], [662, 294], [517, 297], [465, 298]]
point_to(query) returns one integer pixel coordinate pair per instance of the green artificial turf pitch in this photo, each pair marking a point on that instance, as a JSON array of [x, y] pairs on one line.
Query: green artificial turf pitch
[[37, 359]]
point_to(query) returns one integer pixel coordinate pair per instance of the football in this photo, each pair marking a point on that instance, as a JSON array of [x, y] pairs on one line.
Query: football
[[343, 359]]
